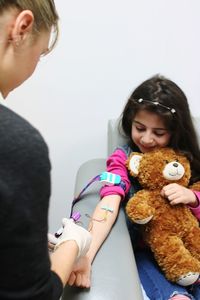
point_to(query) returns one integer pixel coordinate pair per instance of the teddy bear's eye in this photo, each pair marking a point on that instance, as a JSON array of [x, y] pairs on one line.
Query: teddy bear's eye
[[166, 161]]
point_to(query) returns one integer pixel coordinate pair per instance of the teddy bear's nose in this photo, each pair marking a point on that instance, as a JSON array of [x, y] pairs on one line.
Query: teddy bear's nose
[[175, 165]]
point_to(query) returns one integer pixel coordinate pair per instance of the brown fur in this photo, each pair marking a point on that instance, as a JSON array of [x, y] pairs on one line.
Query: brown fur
[[173, 233]]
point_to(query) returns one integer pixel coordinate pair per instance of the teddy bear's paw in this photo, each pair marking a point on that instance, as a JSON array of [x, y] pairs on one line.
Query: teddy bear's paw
[[188, 279], [143, 221]]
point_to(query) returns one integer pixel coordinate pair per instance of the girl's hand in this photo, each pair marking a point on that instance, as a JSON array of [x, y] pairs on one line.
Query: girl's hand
[[81, 273], [177, 194]]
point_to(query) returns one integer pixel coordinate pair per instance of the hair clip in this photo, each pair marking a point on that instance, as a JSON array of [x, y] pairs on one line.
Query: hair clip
[[157, 103]]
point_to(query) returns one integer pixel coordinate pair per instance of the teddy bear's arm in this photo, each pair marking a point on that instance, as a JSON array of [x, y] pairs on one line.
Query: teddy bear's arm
[[138, 208]]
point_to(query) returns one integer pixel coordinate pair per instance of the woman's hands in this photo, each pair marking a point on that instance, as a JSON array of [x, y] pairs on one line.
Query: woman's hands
[[81, 272], [177, 194], [72, 232]]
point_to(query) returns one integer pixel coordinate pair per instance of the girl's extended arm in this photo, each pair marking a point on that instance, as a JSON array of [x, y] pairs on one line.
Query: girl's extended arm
[[100, 226], [100, 229], [103, 218]]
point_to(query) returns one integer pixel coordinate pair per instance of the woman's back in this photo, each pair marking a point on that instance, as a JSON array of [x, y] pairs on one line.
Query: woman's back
[[24, 198]]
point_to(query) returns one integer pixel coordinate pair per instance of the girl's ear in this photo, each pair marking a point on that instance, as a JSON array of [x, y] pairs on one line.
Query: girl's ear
[[133, 163], [23, 25]]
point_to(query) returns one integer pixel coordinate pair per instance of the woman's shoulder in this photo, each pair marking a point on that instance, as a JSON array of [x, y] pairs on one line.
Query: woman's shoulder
[[10, 117], [18, 136], [17, 129]]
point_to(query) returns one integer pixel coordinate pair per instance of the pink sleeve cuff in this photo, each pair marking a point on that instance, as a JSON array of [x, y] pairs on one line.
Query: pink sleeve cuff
[[196, 210], [116, 164], [112, 190]]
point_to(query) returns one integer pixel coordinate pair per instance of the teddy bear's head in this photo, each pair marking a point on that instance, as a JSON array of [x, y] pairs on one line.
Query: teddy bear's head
[[159, 167]]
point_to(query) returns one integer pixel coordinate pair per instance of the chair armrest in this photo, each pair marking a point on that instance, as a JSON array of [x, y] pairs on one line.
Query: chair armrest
[[114, 272]]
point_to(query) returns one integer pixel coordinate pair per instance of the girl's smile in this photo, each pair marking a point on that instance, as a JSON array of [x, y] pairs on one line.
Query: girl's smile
[[149, 131]]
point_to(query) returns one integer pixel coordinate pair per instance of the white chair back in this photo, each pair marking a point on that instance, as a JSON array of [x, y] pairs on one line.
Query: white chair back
[[114, 137]]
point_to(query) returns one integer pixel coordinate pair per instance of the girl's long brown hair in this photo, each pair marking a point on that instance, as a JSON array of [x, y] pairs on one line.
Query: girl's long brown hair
[[180, 124]]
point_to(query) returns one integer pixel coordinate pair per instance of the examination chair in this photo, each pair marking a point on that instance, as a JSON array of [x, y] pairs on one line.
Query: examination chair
[[114, 271]]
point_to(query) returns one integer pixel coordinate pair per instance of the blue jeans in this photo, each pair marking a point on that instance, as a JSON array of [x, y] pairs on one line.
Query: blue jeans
[[195, 291], [156, 286]]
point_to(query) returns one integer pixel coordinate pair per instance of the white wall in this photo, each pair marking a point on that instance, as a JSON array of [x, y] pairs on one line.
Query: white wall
[[106, 49]]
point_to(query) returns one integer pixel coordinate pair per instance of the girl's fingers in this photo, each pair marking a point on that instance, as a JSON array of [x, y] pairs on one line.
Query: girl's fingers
[[72, 279]]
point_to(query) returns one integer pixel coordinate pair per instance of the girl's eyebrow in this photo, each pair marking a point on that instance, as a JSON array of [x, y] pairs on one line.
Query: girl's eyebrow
[[157, 128]]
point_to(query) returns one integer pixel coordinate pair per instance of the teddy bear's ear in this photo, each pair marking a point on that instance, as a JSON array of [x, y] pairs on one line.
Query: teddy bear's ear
[[133, 163]]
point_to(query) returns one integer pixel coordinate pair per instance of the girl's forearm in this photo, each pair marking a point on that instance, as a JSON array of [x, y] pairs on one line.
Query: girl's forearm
[[102, 222]]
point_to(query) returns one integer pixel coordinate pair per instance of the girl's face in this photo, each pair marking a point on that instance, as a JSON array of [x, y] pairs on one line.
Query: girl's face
[[149, 132]]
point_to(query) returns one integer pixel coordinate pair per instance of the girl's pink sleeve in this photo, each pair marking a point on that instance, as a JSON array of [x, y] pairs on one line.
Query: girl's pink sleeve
[[116, 164], [196, 210]]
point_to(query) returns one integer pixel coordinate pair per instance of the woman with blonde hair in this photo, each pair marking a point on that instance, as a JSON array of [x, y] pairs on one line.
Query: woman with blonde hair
[[26, 27]]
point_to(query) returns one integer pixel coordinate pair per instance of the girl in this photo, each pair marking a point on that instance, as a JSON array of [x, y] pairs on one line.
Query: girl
[[156, 115], [25, 28]]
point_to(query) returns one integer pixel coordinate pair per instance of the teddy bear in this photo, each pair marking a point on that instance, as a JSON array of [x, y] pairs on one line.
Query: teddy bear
[[171, 231]]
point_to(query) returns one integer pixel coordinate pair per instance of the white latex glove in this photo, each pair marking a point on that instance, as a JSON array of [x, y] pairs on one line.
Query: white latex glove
[[71, 231]]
